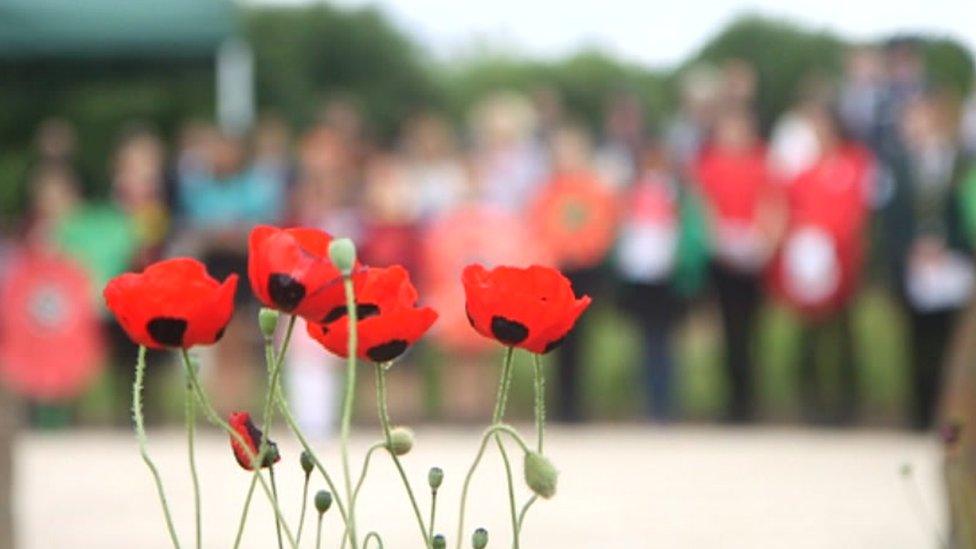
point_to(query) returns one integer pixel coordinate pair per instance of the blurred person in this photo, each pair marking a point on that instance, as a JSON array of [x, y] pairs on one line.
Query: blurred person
[[391, 215], [739, 84], [56, 142], [548, 103], [818, 265], [861, 93], [575, 215], [54, 194], [272, 149], [736, 187], [661, 258], [222, 195], [905, 80], [432, 166], [323, 196], [509, 162], [926, 239], [618, 157], [687, 132], [968, 125]]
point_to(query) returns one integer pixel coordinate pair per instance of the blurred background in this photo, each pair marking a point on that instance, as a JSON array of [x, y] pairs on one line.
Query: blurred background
[[773, 209]]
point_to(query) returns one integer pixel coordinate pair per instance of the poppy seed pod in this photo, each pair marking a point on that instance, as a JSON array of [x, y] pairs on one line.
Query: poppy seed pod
[[268, 320], [479, 540], [435, 477], [342, 252], [401, 440], [323, 500], [305, 459], [438, 542], [540, 474]]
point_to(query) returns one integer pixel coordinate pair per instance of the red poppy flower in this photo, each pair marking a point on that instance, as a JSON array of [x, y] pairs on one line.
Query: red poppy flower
[[388, 319], [172, 303], [242, 424], [531, 308], [290, 271]]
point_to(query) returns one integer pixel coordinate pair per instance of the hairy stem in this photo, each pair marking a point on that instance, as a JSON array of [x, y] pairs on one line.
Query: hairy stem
[[301, 517], [140, 429], [191, 421], [347, 403]]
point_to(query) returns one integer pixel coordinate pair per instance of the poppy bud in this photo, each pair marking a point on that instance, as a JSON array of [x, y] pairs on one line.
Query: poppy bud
[[438, 542], [479, 540], [342, 252], [540, 474], [905, 470], [401, 440], [306, 461], [268, 320], [435, 477], [323, 500]]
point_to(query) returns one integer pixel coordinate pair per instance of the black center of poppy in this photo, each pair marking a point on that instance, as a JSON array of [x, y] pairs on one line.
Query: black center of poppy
[[167, 331], [553, 344], [363, 311], [285, 291], [256, 437], [508, 331], [387, 351]]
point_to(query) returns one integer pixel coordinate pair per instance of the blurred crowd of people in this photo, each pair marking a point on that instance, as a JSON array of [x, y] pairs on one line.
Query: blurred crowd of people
[[644, 215]]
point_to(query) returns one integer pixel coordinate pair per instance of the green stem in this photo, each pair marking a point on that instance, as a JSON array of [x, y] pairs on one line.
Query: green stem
[[372, 535], [433, 509], [501, 401], [191, 454], [218, 421], [140, 429], [318, 533], [499, 414], [384, 414], [247, 505], [293, 426], [540, 424], [274, 490], [301, 519], [347, 402], [362, 478]]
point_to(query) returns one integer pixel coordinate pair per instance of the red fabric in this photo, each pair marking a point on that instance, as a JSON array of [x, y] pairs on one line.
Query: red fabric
[[51, 347], [177, 295], [733, 185], [532, 308], [831, 195]]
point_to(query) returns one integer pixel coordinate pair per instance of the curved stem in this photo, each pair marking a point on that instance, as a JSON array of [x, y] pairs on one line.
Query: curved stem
[[218, 421], [274, 490], [191, 421], [273, 362], [540, 424], [499, 414], [247, 505], [140, 429], [347, 402], [494, 429], [372, 535], [301, 517], [385, 423], [433, 510], [362, 478]]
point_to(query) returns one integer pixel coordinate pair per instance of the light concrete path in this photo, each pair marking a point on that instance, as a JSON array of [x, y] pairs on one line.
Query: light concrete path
[[626, 487]]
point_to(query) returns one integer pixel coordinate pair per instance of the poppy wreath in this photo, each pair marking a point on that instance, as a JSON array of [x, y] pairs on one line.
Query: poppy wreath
[[532, 308], [173, 303], [388, 319], [306, 273]]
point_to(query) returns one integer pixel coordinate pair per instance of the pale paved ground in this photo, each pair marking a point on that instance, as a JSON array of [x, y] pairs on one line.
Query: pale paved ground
[[685, 487]]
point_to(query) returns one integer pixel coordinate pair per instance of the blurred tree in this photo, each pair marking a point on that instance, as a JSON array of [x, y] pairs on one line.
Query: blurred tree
[[306, 55]]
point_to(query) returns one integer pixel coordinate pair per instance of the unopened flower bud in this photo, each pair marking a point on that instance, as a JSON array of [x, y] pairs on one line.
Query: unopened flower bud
[[342, 252], [905, 470], [323, 500], [479, 540], [401, 440], [438, 542], [307, 464], [435, 477], [268, 320], [540, 474]]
